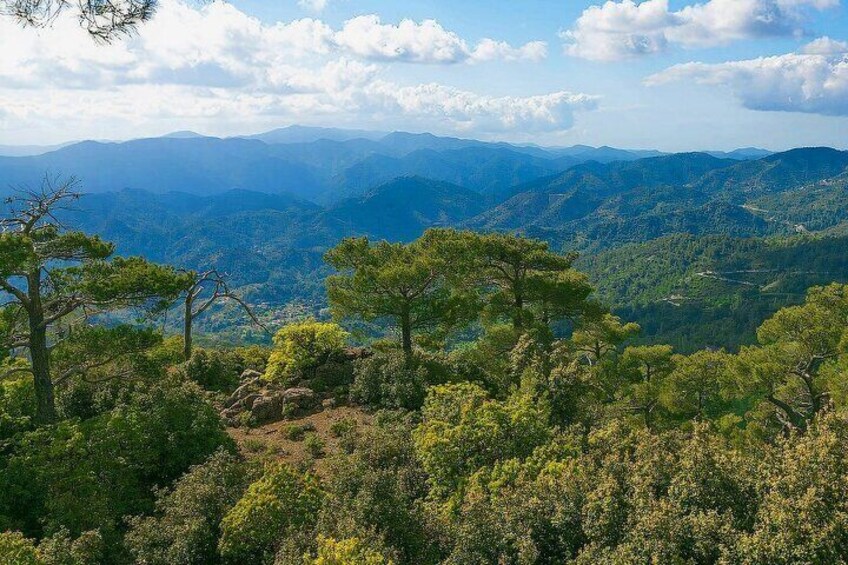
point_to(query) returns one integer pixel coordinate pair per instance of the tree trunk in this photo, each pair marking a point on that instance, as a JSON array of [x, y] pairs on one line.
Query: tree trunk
[[518, 309], [45, 402], [187, 328], [795, 418], [40, 358], [406, 333]]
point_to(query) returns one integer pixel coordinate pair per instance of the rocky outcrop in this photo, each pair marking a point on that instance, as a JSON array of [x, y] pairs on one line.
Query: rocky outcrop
[[262, 403], [258, 401]]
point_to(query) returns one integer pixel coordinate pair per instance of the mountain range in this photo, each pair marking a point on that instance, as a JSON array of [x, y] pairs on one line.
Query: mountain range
[[265, 208]]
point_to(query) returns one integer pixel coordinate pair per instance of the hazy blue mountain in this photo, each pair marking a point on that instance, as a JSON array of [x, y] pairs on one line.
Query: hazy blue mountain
[[28, 150], [595, 180], [403, 208], [309, 194], [273, 242], [595, 206], [775, 173], [183, 134], [202, 165], [605, 154], [305, 134], [488, 170], [742, 154]]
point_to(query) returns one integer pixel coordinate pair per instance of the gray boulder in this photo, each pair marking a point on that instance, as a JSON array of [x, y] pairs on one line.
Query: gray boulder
[[299, 400], [267, 409]]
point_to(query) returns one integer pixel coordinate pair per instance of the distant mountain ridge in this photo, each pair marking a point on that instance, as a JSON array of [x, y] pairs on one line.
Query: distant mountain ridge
[[319, 164], [272, 240]]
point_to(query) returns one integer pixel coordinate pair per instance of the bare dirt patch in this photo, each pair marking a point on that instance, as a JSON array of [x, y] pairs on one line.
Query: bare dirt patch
[[276, 442]]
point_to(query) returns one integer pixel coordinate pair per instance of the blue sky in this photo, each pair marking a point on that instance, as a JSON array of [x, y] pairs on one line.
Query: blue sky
[[673, 75]]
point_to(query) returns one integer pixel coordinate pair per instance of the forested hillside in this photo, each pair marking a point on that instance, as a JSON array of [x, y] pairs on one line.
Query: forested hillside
[[502, 414], [454, 327], [714, 290], [695, 212]]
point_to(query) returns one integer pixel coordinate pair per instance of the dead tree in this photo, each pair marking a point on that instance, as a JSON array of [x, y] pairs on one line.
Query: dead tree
[[196, 304]]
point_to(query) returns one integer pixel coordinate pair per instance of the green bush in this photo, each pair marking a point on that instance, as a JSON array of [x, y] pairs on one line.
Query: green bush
[[462, 430], [60, 549], [390, 379], [217, 370], [253, 357], [314, 445], [186, 526], [376, 493], [17, 405], [350, 551], [295, 432], [346, 430], [88, 475], [282, 502], [304, 346], [15, 549]]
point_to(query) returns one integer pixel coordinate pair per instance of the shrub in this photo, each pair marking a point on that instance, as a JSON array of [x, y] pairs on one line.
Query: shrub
[[254, 445], [463, 430], [280, 503], [87, 475], [295, 432], [390, 379], [342, 427], [301, 346], [186, 526], [253, 357], [376, 493], [314, 445], [60, 549], [350, 551], [17, 405], [15, 549], [216, 370]]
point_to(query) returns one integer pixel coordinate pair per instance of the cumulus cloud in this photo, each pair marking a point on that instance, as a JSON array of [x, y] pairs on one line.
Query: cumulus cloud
[[470, 111], [619, 29], [491, 50], [216, 63], [825, 46], [815, 80], [426, 42], [218, 45], [313, 5]]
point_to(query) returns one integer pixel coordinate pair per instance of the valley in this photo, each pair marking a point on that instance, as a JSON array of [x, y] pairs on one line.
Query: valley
[[265, 209]]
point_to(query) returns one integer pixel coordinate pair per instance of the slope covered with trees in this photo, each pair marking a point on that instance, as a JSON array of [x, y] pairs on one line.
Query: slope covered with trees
[[511, 419], [271, 243], [713, 291]]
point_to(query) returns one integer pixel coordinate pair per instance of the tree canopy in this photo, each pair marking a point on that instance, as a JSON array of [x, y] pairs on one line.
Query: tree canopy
[[57, 279]]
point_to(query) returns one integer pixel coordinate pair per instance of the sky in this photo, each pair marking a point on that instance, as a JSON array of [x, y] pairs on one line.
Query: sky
[[673, 75]]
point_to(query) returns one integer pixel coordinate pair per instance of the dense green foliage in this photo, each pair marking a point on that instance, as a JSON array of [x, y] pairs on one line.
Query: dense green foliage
[[513, 420], [302, 346], [712, 291], [280, 503], [186, 526]]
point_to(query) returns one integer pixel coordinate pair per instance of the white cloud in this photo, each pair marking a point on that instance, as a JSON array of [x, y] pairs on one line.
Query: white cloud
[[491, 50], [825, 46], [218, 45], [812, 81], [470, 111], [214, 64], [313, 5], [426, 42], [619, 29]]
